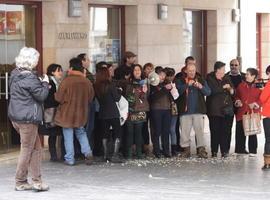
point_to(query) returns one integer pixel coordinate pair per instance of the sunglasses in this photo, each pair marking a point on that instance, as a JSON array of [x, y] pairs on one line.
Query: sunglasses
[[233, 65]]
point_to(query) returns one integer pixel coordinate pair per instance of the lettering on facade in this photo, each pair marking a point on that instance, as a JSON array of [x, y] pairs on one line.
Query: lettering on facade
[[72, 36]]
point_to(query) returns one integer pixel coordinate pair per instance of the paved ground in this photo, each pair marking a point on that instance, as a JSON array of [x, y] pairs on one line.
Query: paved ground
[[235, 178]]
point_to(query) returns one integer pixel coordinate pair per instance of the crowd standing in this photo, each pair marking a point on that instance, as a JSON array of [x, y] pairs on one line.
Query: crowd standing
[[131, 111]]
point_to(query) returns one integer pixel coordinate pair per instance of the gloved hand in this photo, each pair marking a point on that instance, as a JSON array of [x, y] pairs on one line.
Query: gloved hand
[[45, 78]]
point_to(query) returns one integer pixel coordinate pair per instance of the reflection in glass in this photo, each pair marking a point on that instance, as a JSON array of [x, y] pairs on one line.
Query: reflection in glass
[[105, 34]]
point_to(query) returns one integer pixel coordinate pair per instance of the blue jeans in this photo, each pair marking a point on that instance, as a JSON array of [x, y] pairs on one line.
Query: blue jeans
[[173, 130], [68, 140]]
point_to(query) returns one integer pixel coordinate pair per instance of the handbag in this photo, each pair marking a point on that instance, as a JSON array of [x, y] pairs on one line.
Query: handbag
[[48, 117], [227, 109], [252, 123]]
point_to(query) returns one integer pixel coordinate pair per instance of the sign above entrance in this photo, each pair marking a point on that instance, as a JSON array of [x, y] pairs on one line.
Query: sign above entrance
[[72, 36]]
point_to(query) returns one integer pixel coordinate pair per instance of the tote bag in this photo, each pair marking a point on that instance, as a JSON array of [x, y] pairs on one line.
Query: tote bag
[[252, 123]]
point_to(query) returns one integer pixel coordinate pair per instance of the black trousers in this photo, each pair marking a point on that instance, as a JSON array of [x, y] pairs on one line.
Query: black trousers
[[162, 123], [106, 124], [240, 140], [228, 129], [266, 126], [52, 147], [145, 130], [219, 137]]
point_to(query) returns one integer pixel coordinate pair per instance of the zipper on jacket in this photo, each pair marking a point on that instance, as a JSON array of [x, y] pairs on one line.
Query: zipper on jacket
[[35, 111]]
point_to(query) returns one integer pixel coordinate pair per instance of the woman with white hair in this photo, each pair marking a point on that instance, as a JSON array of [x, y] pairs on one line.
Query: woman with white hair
[[27, 93]]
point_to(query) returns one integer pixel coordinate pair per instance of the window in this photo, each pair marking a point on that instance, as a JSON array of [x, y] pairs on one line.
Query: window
[[105, 43]]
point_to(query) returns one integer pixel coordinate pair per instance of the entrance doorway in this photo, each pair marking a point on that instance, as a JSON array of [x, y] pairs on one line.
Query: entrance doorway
[[195, 37], [20, 25]]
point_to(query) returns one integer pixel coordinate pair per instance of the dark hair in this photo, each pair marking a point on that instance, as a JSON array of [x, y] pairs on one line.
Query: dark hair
[[76, 64], [267, 71], [253, 72], [100, 65], [189, 58], [218, 65], [128, 70], [81, 56], [132, 72], [102, 81], [53, 68], [148, 65], [158, 69], [169, 71]]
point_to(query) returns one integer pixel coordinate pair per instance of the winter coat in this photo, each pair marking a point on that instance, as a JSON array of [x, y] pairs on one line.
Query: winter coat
[[265, 100], [248, 94], [136, 98], [74, 95], [27, 94], [219, 98], [160, 98], [107, 103], [191, 99]]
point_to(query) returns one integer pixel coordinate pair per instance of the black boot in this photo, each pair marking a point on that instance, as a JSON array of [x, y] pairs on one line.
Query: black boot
[[115, 157], [174, 150], [52, 148], [105, 149]]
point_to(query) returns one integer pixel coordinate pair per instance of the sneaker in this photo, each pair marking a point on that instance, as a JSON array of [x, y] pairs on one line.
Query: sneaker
[[23, 187], [40, 187], [252, 155], [69, 163]]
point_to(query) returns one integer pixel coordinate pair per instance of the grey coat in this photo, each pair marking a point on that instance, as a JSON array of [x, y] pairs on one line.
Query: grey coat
[[27, 94]]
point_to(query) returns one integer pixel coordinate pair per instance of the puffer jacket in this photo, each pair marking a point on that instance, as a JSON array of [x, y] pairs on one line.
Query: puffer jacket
[[27, 94]]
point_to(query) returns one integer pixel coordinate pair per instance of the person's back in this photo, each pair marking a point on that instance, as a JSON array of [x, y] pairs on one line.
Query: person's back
[[74, 95]]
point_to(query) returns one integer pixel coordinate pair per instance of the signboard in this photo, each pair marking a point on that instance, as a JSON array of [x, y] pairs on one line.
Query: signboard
[[14, 22], [2, 22]]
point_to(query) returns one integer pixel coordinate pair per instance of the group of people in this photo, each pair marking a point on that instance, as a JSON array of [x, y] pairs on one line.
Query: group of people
[[159, 106]]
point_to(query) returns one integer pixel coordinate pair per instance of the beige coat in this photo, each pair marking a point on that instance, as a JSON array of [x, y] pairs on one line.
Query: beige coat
[[74, 95]]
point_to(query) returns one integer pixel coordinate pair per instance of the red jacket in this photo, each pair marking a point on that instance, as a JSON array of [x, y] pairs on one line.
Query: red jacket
[[247, 94], [265, 99]]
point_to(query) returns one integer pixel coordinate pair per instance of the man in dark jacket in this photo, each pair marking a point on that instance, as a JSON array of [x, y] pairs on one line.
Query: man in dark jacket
[[236, 77], [27, 94], [191, 107]]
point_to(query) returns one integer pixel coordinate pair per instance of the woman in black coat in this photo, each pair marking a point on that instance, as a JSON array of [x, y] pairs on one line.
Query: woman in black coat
[[54, 71], [219, 107], [107, 95]]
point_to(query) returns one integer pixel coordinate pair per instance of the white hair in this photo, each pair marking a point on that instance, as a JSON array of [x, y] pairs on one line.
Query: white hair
[[27, 58]]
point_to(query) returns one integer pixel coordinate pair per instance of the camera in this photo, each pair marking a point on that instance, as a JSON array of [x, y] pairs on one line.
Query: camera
[[261, 83]]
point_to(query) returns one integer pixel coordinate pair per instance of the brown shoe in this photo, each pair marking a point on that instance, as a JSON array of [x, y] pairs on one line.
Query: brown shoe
[[201, 152], [266, 166], [186, 153], [89, 160]]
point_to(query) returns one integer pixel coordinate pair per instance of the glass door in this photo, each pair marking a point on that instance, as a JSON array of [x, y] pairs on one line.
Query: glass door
[[17, 29], [106, 35], [194, 35]]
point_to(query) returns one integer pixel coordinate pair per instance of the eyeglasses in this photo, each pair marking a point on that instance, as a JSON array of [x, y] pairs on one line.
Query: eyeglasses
[[233, 65]]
